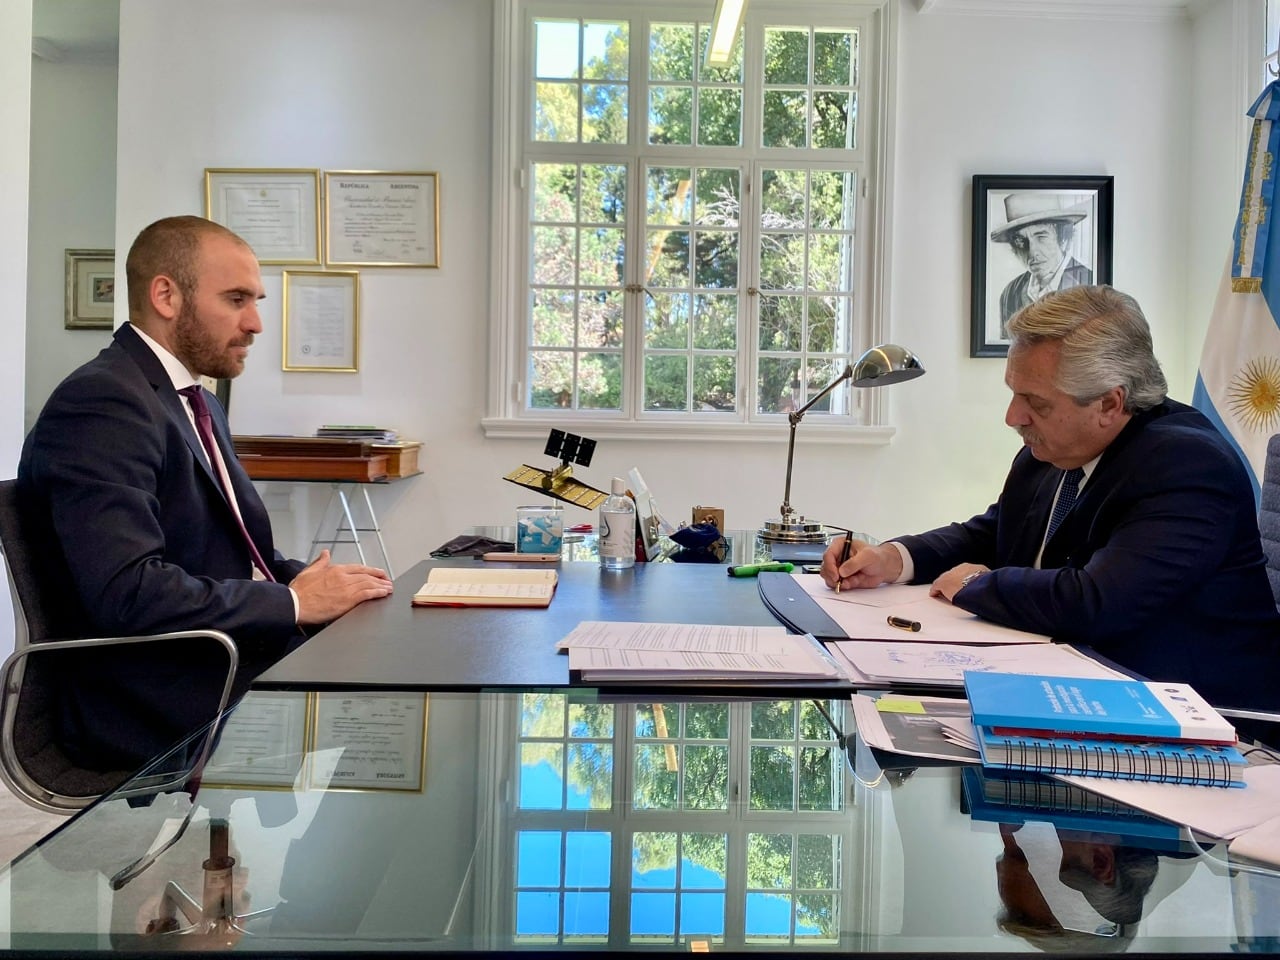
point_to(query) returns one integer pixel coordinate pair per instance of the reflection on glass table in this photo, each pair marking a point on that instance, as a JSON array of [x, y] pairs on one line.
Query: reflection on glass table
[[742, 546], [563, 819]]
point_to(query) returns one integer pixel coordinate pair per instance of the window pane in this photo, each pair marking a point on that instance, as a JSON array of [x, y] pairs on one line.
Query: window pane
[[666, 320], [590, 776], [554, 255], [671, 114], [715, 321], [541, 776], [556, 45], [668, 264], [768, 916], [550, 380], [786, 56], [653, 915], [817, 861], [731, 72], [784, 118], [586, 914], [778, 385], [707, 721], [702, 913], [717, 200], [671, 51], [706, 778], [816, 916], [602, 256], [773, 778], [605, 50], [819, 780], [715, 383], [542, 715], [666, 383], [781, 322], [604, 113], [719, 117], [555, 112], [822, 325], [782, 261], [783, 201], [590, 720], [716, 259], [600, 381], [538, 858], [552, 318], [586, 858], [653, 860], [600, 318], [769, 861], [656, 777], [604, 193], [831, 194], [705, 863], [537, 914], [833, 58], [555, 192], [832, 119], [667, 195]]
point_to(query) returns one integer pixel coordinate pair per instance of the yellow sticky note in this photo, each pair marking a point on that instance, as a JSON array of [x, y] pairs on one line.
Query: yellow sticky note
[[899, 705]]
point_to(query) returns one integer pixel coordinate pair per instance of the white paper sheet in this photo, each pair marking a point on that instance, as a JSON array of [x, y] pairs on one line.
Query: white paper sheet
[[863, 615]]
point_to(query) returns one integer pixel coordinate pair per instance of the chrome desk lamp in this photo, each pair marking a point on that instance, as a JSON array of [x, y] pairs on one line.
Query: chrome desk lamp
[[880, 366]]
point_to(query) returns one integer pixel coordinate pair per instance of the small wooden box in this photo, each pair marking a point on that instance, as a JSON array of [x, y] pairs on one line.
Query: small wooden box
[[402, 457]]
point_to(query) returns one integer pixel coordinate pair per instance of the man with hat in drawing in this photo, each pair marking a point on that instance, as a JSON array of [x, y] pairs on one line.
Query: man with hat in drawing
[[1040, 231]]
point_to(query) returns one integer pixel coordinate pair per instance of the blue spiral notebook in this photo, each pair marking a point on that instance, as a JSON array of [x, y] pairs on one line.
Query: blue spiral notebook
[[1192, 763]]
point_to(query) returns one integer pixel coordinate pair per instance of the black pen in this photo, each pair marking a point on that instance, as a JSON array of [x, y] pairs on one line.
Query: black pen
[[902, 623], [844, 557]]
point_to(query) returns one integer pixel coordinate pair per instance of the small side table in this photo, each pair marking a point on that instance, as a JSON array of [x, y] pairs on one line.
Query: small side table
[[345, 530]]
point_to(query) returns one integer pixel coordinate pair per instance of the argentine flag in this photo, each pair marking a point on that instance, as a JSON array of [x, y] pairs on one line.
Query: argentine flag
[[1238, 386]]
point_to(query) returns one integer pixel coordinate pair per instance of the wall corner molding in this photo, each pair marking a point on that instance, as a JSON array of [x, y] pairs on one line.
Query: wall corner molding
[[1066, 9]]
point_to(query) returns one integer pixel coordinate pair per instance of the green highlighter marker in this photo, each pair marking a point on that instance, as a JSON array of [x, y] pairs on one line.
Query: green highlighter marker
[[751, 569]]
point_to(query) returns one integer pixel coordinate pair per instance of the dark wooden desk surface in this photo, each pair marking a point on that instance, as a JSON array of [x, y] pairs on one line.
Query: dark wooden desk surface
[[391, 643]]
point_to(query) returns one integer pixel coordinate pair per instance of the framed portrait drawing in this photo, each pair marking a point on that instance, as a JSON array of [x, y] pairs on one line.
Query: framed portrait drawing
[[91, 289], [1033, 235]]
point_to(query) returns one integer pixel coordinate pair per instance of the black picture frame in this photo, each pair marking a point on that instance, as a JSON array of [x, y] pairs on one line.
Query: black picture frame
[[1007, 210]]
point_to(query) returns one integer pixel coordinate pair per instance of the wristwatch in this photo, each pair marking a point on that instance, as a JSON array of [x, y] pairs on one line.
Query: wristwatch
[[969, 578]]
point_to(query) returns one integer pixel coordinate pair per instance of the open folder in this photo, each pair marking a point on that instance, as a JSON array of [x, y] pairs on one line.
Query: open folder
[[807, 605]]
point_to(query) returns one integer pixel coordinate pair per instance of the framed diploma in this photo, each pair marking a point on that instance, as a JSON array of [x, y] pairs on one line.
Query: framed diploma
[[263, 743], [374, 741], [375, 219], [277, 212], [321, 320], [91, 289]]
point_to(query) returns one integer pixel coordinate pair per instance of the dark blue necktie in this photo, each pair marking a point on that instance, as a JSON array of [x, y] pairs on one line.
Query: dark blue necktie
[[204, 427], [1066, 498]]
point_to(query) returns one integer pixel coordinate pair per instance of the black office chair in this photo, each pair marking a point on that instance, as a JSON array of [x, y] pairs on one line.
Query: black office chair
[[1269, 514], [31, 762]]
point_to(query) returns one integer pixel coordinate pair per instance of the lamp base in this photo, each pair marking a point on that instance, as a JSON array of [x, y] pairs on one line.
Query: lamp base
[[793, 529]]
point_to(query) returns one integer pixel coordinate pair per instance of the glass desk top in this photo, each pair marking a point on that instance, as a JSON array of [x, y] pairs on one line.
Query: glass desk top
[[549, 820]]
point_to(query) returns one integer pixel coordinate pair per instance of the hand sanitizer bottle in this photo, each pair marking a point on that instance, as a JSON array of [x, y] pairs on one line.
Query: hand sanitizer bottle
[[618, 529]]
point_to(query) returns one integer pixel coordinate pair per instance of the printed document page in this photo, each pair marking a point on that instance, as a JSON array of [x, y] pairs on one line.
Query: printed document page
[[863, 615], [944, 664]]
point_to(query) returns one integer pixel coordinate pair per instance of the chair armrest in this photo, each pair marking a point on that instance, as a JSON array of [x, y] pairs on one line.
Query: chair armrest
[[21, 782]]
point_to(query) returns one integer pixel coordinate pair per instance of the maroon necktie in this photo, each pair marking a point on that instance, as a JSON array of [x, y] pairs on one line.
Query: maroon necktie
[[204, 427]]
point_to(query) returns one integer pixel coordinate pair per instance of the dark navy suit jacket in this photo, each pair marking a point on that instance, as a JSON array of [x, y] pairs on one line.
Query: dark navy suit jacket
[[1158, 566], [114, 472]]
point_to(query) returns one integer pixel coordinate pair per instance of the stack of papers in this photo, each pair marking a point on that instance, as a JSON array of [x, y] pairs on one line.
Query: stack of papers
[[944, 664], [602, 651]]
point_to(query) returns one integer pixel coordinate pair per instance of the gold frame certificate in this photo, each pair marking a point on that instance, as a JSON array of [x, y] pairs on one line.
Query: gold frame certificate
[[275, 211], [376, 219], [263, 742], [370, 741], [321, 320]]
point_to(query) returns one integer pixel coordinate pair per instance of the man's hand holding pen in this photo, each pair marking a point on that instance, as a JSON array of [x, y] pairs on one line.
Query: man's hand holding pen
[[851, 564]]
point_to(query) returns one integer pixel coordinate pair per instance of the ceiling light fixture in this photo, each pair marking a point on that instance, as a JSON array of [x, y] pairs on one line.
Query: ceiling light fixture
[[724, 31]]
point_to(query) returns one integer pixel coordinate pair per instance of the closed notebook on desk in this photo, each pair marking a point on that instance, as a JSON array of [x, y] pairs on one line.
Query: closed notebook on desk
[[486, 587]]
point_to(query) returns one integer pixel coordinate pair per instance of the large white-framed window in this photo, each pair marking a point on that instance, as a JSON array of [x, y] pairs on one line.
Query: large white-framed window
[[661, 823], [683, 250]]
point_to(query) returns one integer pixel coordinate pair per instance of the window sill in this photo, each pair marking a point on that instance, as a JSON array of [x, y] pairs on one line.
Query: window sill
[[807, 434]]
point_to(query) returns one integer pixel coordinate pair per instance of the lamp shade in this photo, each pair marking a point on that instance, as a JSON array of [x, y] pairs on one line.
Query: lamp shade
[[886, 364]]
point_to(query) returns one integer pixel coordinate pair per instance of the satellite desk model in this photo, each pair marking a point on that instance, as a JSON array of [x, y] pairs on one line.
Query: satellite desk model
[[559, 483]]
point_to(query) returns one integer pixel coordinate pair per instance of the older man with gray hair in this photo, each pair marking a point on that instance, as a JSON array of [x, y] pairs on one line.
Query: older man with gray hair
[[1126, 523]]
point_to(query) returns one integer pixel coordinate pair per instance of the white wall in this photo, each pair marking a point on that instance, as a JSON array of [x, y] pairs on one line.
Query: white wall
[[405, 85], [73, 204]]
